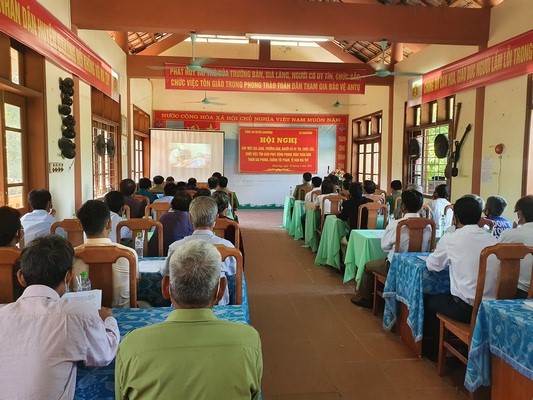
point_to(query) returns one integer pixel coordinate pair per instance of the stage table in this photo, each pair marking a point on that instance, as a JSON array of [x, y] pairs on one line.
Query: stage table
[[99, 383], [287, 211], [329, 249], [295, 227], [364, 245], [504, 329]]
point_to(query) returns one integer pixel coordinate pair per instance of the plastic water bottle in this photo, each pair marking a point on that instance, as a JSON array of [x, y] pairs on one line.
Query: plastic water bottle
[[85, 282], [290, 190], [139, 244], [442, 224]]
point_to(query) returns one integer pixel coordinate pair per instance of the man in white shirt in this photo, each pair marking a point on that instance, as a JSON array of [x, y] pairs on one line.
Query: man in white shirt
[[204, 212], [95, 218], [327, 189], [43, 337], [39, 221], [459, 251], [441, 195], [412, 201], [115, 202], [523, 233], [316, 182]]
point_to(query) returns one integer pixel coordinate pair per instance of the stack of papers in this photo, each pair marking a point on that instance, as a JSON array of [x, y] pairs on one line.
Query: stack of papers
[[151, 265], [529, 304], [90, 297], [423, 258]]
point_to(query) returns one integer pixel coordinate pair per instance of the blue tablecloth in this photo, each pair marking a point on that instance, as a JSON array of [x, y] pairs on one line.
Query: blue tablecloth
[[407, 281], [505, 329], [99, 383]]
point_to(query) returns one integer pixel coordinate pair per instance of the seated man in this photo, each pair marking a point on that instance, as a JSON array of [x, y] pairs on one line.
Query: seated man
[[115, 202], [169, 192], [204, 211], [306, 179], [327, 189], [223, 186], [176, 224], [350, 208], [458, 250], [44, 337], [316, 182], [412, 201], [11, 232], [159, 184], [39, 221], [396, 186], [369, 187], [198, 355], [345, 191], [191, 184], [494, 208], [212, 183], [127, 187], [222, 200], [95, 219], [144, 189], [522, 234], [441, 197]]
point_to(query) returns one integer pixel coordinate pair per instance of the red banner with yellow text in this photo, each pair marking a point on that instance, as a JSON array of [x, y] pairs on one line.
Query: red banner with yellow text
[[30, 23], [506, 60], [265, 80], [278, 150], [342, 149]]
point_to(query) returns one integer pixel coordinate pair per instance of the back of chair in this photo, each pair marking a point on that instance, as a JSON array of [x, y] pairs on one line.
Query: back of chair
[[143, 225], [416, 227], [141, 198], [372, 212], [509, 255], [127, 211], [9, 258], [377, 198], [425, 211], [231, 252], [158, 209], [222, 224], [73, 229], [100, 260], [397, 202], [380, 192], [303, 191], [315, 193], [486, 222], [191, 193], [334, 207], [448, 208]]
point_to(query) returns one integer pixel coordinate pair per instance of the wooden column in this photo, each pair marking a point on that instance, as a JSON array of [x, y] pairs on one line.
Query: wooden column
[[121, 38]]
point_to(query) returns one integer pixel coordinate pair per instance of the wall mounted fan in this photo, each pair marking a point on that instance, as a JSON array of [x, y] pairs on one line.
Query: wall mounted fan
[[197, 64], [337, 104], [382, 71], [207, 101]]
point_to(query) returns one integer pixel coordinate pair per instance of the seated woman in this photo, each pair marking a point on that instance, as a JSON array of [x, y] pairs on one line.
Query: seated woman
[[350, 208], [176, 224], [222, 200]]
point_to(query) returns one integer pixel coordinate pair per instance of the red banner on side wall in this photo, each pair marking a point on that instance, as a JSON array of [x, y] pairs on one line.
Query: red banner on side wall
[[278, 150], [342, 148]]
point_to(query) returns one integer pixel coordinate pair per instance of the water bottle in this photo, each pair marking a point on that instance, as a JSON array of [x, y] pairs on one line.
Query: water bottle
[[139, 244], [290, 190], [85, 282], [442, 224]]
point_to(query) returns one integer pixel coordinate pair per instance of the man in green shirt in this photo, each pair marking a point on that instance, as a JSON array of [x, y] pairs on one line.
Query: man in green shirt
[[192, 355]]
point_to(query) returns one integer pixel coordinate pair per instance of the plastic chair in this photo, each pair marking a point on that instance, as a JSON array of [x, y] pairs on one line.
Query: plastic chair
[[100, 260], [127, 211], [509, 255], [73, 229], [143, 225], [373, 210], [158, 210], [303, 191], [376, 198], [141, 198], [191, 193], [231, 252], [486, 222], [222, 224], [334, 208], [448, 208], [9, 258], [425, 211]]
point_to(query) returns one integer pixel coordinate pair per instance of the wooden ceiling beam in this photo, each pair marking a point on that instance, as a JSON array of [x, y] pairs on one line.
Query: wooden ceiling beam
[[341, 20], [153, 66], [163, 45], [342, 54]]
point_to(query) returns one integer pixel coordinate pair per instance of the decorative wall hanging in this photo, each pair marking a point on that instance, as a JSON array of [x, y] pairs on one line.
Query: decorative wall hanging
[[65, 144]]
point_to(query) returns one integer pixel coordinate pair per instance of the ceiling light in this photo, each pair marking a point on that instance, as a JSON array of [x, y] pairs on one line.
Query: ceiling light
[[292, 38]]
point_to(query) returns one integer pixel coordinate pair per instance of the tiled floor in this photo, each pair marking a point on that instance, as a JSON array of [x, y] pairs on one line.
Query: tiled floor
[[316, 344]]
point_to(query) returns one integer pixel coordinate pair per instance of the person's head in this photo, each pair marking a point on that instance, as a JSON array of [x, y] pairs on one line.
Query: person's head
[[10, 227], [347, 177], [334, 179], [169, 179], [191, 182], [467, 211], [47, 260], [202, 192], [327, 186], [95, 218], [524, 209], [306, 177], [158, 180], [212, 182], [127, 187], [115, 201], [223, 182], [316, 181], [181, 185], [194, 276], [356, 190], [145, 183], [222, 200], [170, 189], [346, 184], [369, 187], [414, 186], [396, 185], [442, 192], [216, 175], [477, 198], [203, 212], [412, 201], [494, 206], [181, 201], [40, 199]]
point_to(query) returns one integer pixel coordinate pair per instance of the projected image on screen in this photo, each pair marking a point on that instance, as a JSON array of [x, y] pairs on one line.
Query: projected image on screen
[[183, 153]]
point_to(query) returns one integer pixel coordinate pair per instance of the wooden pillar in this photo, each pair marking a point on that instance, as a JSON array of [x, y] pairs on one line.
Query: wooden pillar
[[478, 137], [121, 38], [264, 50]]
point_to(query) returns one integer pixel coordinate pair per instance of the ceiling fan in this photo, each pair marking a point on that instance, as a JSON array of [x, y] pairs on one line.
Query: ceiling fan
[[382, 71], [207, 101], [197, 64], [337, 104]]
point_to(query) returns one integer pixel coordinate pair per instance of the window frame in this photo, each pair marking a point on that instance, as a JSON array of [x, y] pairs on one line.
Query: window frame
[[106, 171], [141, 133], [367, 131]]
